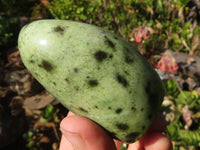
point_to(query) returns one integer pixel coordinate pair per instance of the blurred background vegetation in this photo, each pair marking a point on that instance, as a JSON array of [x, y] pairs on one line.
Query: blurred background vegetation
[[175, 26], [175, 22]]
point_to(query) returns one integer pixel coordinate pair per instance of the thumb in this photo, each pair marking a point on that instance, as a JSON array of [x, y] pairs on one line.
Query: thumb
[[81, 133], [72, 141]]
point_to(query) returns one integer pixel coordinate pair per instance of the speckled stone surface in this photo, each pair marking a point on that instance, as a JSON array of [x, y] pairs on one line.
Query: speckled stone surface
[[93, 73]]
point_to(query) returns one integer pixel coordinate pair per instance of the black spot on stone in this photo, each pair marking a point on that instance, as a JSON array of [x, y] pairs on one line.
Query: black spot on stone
[[116, 38], [75, 70], [129, 59], [111, 56], [122, 80], [76, 88], [93, 83], [36, 74], [126, 49], [60, 29], [133, 108], [46, 65], [32, 61], [122, 126], [126, 72], [83, 110], [119, 110], [67, 80], [100, 55], [132, 137], [109, 42]]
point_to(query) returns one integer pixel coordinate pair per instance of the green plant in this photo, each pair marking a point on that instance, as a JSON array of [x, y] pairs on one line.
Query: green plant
[[6, 36], [184, 128], [181, 137], [171, 88], [31, 138], [49, 114], [10, 13], [173, 29], [191, 98], [113, 15]]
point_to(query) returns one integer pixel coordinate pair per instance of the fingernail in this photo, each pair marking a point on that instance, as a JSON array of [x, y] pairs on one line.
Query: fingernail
[[75, 139]]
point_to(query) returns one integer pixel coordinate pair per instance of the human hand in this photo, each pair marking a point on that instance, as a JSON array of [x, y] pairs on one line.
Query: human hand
[[80, 133]]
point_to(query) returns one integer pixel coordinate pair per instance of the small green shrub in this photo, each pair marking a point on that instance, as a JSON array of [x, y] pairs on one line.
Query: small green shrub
[[10, 13], [4, 33], [184, 126], [173, 29], [49, 114], [31, 138], [6, 36]]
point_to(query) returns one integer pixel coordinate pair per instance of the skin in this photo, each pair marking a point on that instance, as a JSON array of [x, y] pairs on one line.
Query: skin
[[80, 133]]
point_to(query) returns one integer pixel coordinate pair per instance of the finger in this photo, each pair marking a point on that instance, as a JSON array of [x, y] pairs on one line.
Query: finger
[[70, 114], [65, 144], [153, 138], [138, 145], [157, 141], [84, 134], [117, 144]]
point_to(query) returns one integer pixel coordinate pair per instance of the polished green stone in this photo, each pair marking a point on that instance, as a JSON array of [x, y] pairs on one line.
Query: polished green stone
[[94, 73]]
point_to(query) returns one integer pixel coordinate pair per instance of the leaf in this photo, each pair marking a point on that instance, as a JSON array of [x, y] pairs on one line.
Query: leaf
[[171, 88], [196, 31], [159, 7], [188, 97], [183, 2], [190, 137], [49, 113], [173, 131]]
